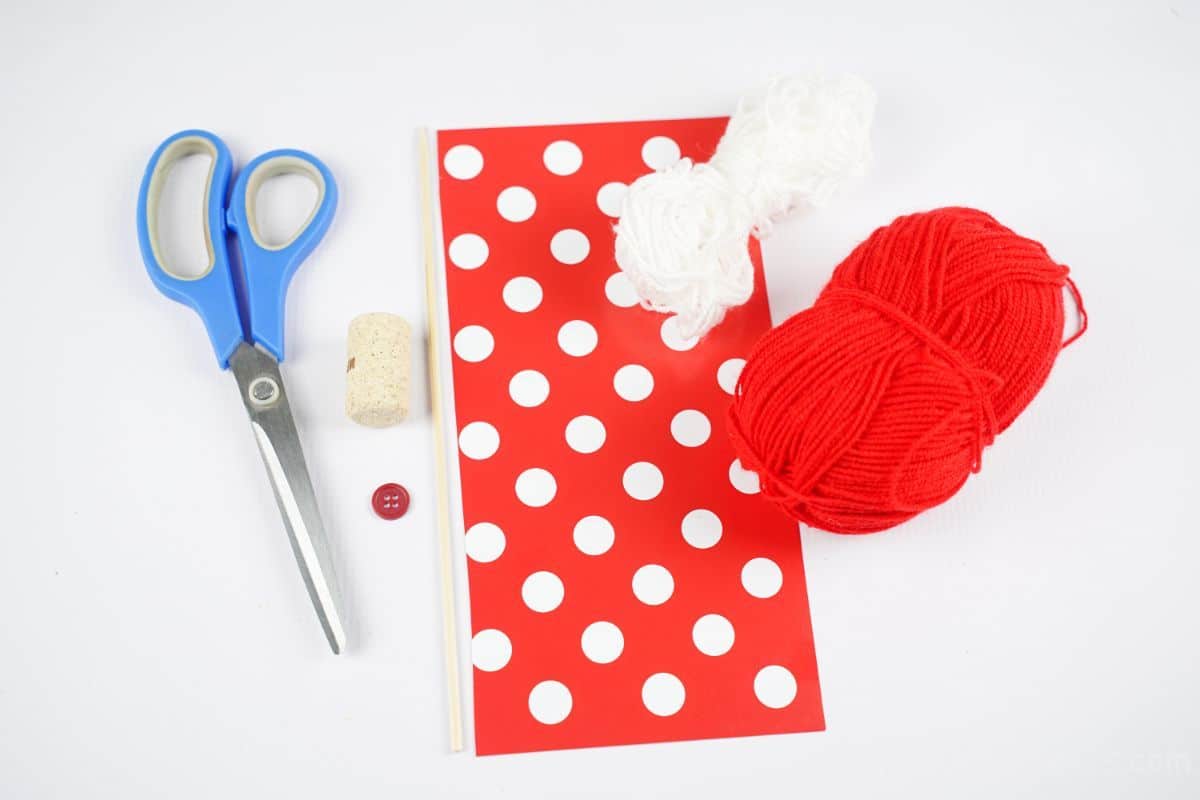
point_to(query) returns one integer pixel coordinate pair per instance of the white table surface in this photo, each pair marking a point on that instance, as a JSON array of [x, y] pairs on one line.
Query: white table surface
[[1037, 635]]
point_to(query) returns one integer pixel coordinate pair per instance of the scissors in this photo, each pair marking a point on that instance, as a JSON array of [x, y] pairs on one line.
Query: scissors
[[242, 309]]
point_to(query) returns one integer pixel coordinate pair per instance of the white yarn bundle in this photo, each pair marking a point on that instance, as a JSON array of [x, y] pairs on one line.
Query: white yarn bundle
[[683, 231]]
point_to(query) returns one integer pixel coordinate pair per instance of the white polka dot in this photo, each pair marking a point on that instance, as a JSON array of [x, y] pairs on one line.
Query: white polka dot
[[570, 246], [490, 650], [485, 542], [562, 157], [550, 702], [542, 592], [602, 642], [585, 434], [468, 251], [762, 577], [536, 487], [522, 294], [660, 152], [671, 336], [690, 428], [642, 480], [479, 440], [529, 388], [744, 480], [653, 584], [474, 343], [775, 686], [663, 694], [610, 197], [577, 338], [619, 290], [463, 162], [713, 635], [633, 382], [594, 535], [516, 204], [729, 372], [701, 528]]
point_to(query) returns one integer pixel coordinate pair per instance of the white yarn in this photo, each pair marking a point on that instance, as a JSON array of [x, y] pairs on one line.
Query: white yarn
[[678, 241], [681, 238]]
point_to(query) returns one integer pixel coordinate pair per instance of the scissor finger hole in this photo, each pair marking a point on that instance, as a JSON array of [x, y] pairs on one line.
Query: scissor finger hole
[[282, 197], [178, 218]]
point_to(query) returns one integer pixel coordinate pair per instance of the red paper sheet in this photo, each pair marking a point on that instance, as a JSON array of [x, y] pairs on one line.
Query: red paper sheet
[[623, 588]]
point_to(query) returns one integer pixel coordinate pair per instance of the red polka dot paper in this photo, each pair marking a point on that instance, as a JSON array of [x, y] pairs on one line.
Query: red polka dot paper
[[627, 582]]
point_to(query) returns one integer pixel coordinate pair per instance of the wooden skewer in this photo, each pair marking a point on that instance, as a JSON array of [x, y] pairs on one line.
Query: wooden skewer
[[445, 548]]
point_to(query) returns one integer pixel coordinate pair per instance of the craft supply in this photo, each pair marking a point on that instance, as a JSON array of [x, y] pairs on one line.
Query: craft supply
[[250, 341], [441, 476], [877, 402], [627, 584], [390, 501], [377, 362], [682, 236]]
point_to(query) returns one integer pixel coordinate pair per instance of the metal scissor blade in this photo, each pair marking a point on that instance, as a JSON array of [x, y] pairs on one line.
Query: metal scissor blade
[[261, 387]]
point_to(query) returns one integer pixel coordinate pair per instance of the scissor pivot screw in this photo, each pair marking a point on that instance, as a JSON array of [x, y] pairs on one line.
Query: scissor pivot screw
[[263, 391]]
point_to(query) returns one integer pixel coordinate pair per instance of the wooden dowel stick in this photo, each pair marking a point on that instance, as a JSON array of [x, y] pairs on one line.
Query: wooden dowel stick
[[445, 548]]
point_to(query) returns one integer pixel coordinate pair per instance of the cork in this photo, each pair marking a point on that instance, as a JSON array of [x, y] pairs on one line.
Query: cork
[[377, 365]]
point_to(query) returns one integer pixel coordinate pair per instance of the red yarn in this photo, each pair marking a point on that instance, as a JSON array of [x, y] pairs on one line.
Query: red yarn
[[876, 403]]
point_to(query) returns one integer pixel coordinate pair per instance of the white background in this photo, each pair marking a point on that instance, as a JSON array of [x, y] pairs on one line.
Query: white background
[[1036, 635]]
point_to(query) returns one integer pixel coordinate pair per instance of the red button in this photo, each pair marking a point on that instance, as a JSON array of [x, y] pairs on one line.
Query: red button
[[390, 501]]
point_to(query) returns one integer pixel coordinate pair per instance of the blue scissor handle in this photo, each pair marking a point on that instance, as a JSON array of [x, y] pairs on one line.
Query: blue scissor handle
[[268, 269], [211, 293]]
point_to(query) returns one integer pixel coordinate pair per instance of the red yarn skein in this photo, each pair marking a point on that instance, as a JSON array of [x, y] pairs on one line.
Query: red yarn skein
[[876, 403]]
